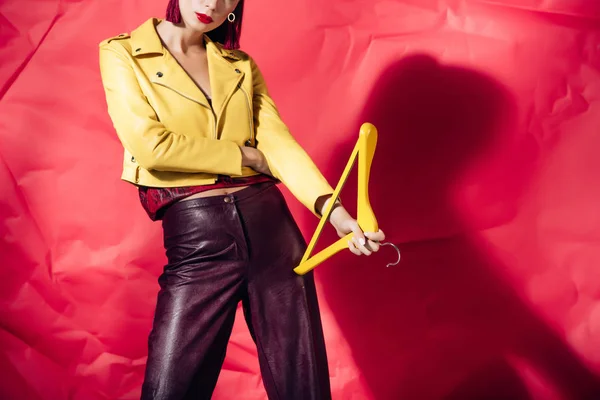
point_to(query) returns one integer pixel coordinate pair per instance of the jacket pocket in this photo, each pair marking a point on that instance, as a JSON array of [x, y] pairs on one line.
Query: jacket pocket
[[251, 141]]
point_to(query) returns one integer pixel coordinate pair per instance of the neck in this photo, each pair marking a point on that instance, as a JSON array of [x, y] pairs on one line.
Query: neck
[[180, 38]]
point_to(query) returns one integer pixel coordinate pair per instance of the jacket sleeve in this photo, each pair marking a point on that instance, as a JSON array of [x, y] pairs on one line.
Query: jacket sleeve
[[287, 160], [146, 138]]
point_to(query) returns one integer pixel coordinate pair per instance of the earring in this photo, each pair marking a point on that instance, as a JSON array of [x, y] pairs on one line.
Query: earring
[[231, 17]]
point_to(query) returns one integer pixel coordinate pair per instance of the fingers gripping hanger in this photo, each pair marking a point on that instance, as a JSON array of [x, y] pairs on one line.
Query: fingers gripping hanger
[[364, 150]]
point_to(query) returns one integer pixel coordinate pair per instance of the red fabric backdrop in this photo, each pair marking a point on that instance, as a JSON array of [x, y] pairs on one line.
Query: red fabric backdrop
[[486, 175]]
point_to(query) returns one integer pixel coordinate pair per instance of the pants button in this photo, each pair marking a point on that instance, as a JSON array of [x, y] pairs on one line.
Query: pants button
[[227, 199]]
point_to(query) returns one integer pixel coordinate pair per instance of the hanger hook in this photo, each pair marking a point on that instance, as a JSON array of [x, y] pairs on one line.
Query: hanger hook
[[397, 249]]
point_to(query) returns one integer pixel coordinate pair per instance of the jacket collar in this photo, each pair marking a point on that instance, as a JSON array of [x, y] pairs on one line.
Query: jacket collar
[[145, 40]]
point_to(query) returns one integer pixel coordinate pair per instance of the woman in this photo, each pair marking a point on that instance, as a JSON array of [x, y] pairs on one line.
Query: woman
[[205, 145]]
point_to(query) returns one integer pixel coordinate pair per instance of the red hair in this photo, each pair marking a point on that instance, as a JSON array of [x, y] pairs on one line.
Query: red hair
[[228, 33]]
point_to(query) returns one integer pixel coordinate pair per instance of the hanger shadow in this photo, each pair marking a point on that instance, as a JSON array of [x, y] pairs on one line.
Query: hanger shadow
[[445, 323]]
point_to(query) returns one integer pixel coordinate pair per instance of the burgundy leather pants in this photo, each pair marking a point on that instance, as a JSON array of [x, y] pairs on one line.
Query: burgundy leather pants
[[222, 250]]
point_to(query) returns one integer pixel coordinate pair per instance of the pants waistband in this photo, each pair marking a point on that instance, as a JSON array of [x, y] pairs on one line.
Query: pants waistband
[[220, 199]]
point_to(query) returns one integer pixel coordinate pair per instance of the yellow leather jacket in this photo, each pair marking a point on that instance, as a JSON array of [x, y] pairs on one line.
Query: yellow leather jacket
[[173, 137]]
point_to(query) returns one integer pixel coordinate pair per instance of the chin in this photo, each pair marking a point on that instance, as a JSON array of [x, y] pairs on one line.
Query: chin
[[196, 25]]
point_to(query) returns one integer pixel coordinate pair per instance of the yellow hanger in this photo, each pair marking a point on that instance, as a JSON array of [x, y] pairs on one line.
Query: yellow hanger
[[364, 150]]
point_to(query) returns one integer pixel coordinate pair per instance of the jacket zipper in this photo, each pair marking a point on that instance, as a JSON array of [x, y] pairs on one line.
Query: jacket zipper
[[249, 113], [212, 111]]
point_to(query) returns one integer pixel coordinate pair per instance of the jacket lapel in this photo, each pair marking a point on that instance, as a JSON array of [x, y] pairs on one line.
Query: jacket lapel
[[174, 77], [224, 76], [162, 68]]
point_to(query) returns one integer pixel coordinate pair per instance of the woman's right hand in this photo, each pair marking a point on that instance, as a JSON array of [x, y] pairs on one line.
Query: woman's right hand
[[255, 159]]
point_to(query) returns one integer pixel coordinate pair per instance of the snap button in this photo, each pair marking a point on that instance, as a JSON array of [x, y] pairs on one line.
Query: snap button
[[248, 143], [132, 159], [227, 200], [159, 74], [238, 71]]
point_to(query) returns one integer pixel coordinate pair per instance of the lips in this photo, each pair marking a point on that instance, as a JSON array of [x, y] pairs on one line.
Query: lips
[[205, 19]]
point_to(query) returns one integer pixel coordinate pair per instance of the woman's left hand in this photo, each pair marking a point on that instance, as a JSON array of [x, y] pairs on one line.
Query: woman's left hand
[[362, 242]]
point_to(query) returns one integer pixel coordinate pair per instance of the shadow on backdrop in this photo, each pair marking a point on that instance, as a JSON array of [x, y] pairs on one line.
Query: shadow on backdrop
[[444, 323]]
